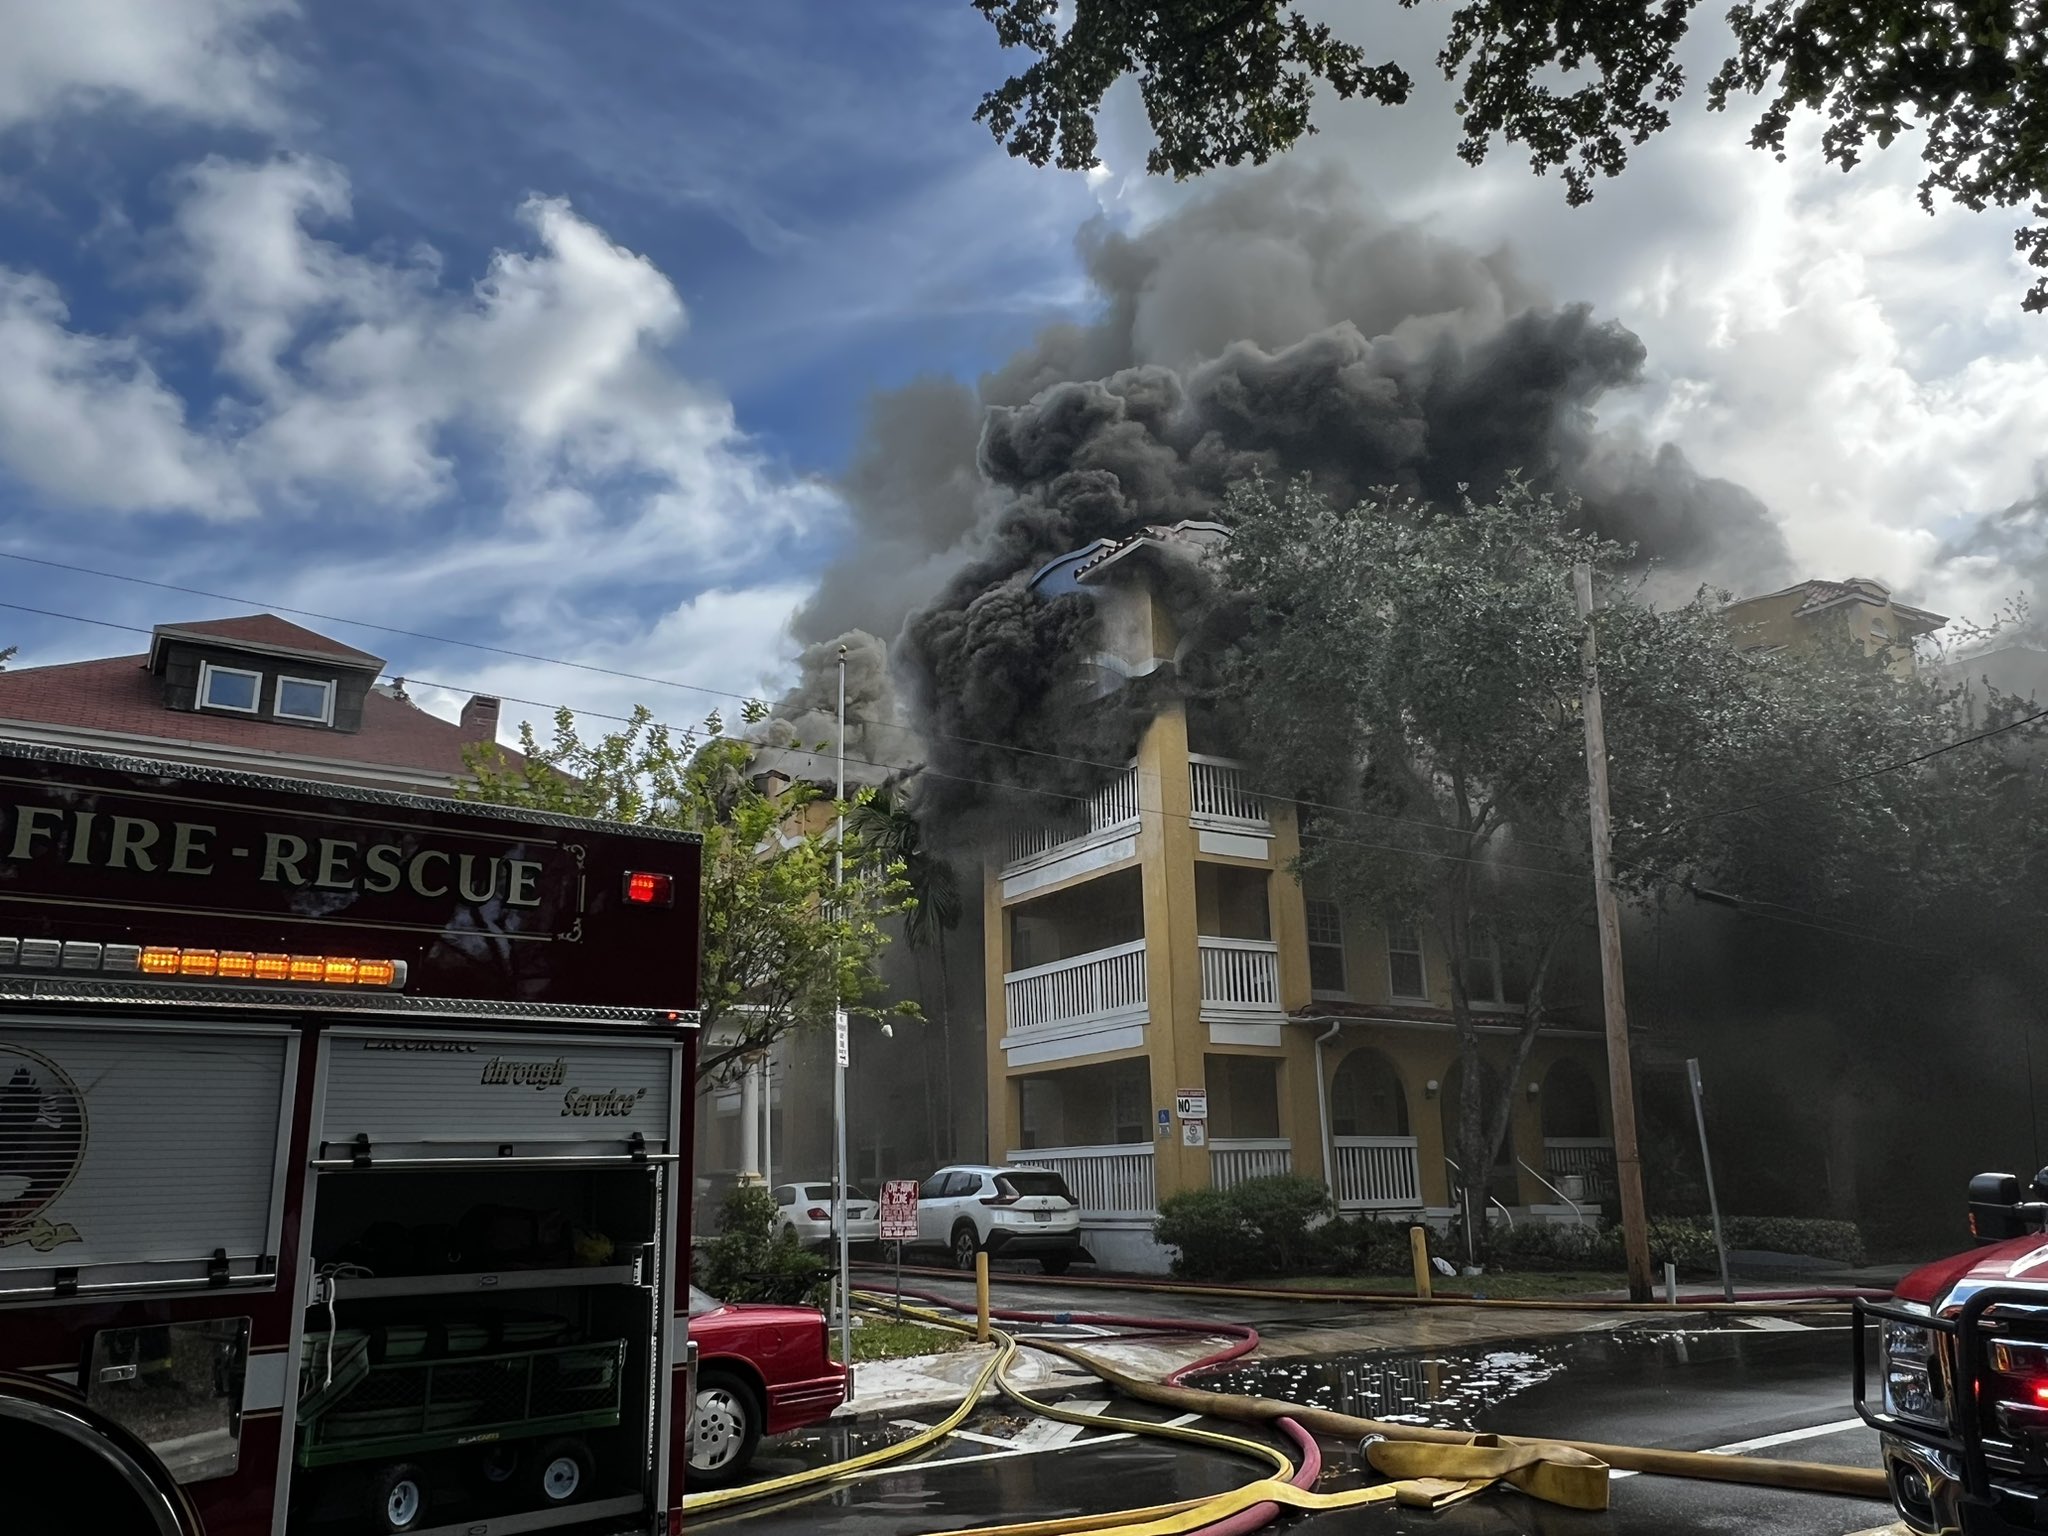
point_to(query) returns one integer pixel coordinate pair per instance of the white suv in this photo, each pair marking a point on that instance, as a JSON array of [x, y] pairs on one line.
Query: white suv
[[1012, 1212]]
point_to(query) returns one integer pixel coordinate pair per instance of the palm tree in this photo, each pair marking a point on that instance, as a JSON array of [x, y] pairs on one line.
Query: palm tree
[[889, 826]]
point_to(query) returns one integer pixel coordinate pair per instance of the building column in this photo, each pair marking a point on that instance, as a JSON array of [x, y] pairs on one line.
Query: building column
[[1176, 1037], [750, 1122]]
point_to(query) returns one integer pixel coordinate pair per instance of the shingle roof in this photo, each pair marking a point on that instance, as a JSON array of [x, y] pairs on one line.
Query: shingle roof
[[117, 695], [267, 629]]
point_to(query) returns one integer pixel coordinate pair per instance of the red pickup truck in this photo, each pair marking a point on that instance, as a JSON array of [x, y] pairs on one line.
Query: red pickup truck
[[761, 1370], [1961, 1350]]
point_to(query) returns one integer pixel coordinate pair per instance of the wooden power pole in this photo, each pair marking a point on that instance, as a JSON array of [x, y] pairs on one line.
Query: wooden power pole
[[1621, 1082]]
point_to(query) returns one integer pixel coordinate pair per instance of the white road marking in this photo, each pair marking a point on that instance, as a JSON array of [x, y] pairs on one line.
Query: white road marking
[[1761, 1442], [1773, 1324]]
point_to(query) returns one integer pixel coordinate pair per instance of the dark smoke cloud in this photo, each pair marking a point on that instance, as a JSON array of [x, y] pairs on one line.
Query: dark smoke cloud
[[1279, 326]]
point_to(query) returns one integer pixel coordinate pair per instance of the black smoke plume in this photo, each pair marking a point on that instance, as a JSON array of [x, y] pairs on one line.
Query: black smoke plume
[[1279, 326]]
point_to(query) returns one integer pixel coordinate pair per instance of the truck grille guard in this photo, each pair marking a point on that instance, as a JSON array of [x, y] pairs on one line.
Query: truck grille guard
[[1965, 1367]]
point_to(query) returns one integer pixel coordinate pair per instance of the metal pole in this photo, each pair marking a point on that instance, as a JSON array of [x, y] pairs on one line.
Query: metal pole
[[1628, 1158], [840, 1047], [1699, 1115]]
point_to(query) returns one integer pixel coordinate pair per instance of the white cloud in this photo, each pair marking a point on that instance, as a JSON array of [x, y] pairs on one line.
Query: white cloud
[[202, 59], [86, 420]]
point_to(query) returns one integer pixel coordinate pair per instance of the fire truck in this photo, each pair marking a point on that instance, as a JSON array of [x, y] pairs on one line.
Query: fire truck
[[344, 1146], [1960, 1352]]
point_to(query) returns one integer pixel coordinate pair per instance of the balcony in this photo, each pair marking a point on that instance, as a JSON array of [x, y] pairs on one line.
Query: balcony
[[1091, 1002], [1227, 818], [1113, 1185], [1102, 829], [1589, 1158], [1377, 1173], [1233, 1160]]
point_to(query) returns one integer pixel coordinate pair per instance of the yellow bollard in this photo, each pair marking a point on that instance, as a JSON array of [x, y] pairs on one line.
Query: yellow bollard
[[1418, 1252], [981, 1298]]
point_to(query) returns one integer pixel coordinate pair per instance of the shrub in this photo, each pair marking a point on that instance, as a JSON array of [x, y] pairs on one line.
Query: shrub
[[1554, 1245], [747, 1261], [1209, 1234], [1277, 1212], [1804, 1235]]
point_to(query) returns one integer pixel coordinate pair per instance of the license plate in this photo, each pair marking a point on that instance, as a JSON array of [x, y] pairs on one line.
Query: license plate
[[1041, 1215]]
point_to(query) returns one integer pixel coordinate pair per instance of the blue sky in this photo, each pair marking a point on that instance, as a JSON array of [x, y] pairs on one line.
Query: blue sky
[[542, 324], [550, 325]]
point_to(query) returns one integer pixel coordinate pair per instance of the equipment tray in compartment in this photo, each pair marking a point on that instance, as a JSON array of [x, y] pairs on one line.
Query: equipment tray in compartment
[[370, 1288]]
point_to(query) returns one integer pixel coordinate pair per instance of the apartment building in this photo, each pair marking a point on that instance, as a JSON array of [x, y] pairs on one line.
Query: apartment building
[[1860, 609], [1169, 1009]]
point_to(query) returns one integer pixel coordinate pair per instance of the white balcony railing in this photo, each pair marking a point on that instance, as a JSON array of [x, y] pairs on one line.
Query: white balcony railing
[[1111, 808], [1378, 1173], [1102, 984], [1233, 1160], [1220, 799], [1107, 1181], [1587, 1157], [1240, 975]]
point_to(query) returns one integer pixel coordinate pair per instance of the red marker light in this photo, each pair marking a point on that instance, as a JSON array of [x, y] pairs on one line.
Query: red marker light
[[2041, 1393], [650, 890]]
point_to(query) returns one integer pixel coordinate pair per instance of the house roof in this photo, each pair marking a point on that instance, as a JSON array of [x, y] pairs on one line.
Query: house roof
[[1817, 596], [118, 696], [264, 632]]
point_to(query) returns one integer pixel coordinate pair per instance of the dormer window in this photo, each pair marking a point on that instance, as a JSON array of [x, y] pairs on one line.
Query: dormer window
[[230, 688], [305, 699]]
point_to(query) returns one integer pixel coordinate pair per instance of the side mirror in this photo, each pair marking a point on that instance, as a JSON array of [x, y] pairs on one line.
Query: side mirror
[[1994, 1208]]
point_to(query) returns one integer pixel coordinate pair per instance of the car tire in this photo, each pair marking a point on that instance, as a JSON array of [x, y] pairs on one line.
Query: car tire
[[398, 1497], [965, 1246], [560, 1472], [1056, 1263], [725, 1428]]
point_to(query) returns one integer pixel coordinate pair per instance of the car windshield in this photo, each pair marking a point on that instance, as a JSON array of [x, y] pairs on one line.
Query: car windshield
[[1035, 1184], [701, 1303]]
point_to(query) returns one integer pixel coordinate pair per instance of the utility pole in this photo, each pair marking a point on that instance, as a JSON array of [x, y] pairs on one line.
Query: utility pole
[[1621, 1082], [841, 1048]]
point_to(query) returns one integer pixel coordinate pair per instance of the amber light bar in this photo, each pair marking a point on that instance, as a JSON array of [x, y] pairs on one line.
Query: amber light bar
[[168, 962]]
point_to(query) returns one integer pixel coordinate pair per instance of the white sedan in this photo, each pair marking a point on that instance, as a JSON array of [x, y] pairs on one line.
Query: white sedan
[[806, 1211]]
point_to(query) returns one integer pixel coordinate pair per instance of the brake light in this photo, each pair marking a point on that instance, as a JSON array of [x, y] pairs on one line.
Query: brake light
[[818, 1213], [644, 889]]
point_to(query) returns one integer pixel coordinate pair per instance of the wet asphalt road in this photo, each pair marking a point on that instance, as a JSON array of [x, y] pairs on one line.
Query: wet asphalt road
[[1778, 1391]]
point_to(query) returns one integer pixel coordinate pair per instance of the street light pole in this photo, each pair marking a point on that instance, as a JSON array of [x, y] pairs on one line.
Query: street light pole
[[1621, 1082], [840, 1053]]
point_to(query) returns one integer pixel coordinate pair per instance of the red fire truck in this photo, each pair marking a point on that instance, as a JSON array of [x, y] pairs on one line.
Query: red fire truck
[[343, 1144], [1961, 1353]]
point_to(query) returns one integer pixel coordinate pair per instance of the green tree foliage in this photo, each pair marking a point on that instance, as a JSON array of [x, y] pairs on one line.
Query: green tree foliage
[[1577, 86], [1418, 672], [782, 943]]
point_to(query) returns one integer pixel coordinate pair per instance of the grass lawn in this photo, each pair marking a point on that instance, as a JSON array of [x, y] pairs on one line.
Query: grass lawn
[[1510, 1284], [887, 1339]]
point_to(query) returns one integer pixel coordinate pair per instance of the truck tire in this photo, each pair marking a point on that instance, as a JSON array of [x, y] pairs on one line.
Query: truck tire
[[90, 1474], [724, 1429], [560, 1472], [398, 1497]]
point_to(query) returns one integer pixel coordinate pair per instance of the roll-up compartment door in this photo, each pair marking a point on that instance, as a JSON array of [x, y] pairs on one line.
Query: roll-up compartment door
[[419, 1095], [140, 1155]]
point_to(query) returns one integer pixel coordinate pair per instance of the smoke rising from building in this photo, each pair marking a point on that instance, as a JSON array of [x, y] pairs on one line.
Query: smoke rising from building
[[1279, 326]]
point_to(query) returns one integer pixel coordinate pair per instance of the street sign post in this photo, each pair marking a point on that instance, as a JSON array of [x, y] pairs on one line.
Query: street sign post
[[899, 1223]]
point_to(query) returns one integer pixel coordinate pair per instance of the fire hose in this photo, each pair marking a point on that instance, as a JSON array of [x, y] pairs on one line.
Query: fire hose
[[1429, 1467]]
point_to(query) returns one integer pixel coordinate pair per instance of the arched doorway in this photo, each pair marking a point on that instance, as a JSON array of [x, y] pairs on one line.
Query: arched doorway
[[1575, 1140], [1367, 1097], [1502, 1181]]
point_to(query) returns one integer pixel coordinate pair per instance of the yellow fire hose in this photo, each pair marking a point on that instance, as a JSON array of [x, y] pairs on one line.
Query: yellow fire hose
[[1431, 1467]]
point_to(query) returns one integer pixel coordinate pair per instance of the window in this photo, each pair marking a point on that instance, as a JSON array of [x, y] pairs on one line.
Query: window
[[1325, 946], [305, 698], [1404, 962], [230, 688]]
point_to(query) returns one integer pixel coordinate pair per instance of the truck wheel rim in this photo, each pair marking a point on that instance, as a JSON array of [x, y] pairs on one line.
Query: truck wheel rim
[[721, 1422], [562, 1478], [402, 1504]]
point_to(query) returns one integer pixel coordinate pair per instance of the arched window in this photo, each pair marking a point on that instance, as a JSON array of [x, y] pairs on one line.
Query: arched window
[[1366, 1097], [1571, 1102]]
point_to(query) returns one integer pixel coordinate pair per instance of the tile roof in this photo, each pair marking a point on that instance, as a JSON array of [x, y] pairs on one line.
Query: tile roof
[[267, 629], [117, 695]]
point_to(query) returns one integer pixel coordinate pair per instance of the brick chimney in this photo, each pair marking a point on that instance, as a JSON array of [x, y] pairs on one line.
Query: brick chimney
[[480, 718]]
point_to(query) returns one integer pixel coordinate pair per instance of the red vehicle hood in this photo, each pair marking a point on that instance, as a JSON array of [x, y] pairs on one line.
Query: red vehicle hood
[[2018, 1259], [748, 1314]]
